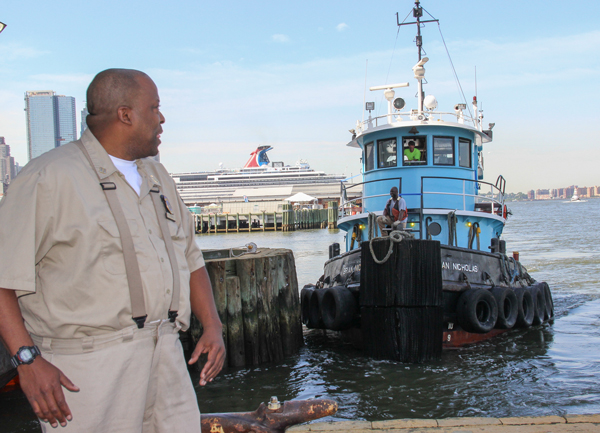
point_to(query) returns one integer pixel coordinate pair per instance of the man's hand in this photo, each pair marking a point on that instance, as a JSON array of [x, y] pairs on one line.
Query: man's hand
[[211, 343], [42, 383]]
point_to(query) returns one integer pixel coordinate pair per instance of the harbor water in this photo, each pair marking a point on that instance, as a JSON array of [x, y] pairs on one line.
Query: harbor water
[[551, 369]]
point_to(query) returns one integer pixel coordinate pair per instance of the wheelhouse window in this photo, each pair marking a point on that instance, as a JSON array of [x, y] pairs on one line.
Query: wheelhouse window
[[414, 151], [369, 159], [386, 152], [443, 150], [464, 153]]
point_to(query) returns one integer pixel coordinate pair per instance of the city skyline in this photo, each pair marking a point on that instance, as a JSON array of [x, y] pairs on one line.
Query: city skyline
[[295, 76]]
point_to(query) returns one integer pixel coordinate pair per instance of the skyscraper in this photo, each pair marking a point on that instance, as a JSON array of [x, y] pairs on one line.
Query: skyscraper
[[7, 166], [84, 114], [50, 121]]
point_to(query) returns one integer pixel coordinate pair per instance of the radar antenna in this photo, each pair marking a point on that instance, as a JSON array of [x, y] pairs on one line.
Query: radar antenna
[[417, 14]]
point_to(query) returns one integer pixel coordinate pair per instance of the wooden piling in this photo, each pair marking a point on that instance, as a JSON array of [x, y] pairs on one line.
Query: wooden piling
[[258, 302], [332, 214]]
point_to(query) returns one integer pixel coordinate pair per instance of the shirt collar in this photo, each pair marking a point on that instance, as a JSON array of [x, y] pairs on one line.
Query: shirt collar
[[102, 164]]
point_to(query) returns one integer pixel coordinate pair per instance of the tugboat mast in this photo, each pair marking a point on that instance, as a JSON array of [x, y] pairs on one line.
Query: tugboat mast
[[418, 69]]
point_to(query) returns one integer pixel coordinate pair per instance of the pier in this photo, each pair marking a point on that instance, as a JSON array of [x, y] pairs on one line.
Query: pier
[[288, 219], [541, 424]]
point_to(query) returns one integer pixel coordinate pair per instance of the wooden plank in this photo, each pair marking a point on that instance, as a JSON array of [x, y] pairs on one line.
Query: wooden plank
[[248, 288], [235, 326], [216, 273], [275, 343], [262, 273], [290, 320]]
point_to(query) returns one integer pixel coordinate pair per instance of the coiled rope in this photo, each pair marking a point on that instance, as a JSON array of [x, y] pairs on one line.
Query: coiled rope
[[396, 236]]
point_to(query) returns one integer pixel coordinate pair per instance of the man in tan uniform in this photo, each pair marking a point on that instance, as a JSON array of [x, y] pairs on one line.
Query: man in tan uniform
[[66, 290]]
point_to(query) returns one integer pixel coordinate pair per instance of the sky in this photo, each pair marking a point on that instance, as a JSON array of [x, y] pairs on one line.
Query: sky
[[233, 75]]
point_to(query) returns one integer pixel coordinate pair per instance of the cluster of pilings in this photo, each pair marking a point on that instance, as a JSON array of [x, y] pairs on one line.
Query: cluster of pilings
[[288, 219], [257, 300]]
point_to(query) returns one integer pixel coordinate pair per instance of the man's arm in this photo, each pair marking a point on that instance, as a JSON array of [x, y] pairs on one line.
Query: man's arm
[[211, 342], [40, 381]]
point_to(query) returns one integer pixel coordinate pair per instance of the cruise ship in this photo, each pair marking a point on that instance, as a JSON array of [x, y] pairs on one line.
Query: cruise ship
[[260, 185]]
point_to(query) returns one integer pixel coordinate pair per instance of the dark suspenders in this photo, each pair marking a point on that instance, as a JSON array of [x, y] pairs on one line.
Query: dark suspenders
[[132, 269]]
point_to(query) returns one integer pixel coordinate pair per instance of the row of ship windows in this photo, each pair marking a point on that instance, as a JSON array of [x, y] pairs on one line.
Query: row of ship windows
[[414, 152]]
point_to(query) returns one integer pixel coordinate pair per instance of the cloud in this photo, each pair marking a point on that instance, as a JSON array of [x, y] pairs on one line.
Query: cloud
[[341, 27], [17, 51], [281, 38]]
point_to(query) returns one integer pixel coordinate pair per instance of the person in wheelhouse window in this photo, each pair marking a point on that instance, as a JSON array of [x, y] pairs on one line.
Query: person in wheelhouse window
[[412, 153]]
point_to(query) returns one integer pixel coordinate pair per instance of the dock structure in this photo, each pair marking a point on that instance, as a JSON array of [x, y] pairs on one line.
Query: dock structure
[[257, 300], [541, 424], [288, 219]]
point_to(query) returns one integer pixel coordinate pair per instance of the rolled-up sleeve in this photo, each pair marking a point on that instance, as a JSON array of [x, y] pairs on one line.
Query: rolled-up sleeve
[[24, 233]]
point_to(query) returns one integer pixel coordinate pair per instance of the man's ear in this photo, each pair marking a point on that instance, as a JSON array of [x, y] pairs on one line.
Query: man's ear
[[125, 114]]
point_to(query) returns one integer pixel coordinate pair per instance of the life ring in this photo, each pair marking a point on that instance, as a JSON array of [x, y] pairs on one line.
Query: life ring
[[477, 311], [508, 309], [525, 308], [504, 212], [338, 308]]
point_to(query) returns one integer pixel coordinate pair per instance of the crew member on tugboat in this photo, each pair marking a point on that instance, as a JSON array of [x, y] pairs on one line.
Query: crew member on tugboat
[[412, 154], [394, 213]]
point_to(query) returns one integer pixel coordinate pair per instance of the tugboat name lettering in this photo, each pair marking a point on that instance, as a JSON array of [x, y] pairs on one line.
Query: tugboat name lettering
[[465, 268], [460, 267], [348, 269]]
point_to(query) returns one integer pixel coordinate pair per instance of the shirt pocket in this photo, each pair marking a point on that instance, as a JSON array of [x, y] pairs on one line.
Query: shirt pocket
[[179, 243], [112, 250]]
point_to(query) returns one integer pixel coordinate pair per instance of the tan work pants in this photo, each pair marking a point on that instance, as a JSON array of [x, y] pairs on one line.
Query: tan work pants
[[133, 380], [385, 220]]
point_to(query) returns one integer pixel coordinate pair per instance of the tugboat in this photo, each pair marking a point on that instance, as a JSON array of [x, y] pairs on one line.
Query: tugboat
[[445, 280]]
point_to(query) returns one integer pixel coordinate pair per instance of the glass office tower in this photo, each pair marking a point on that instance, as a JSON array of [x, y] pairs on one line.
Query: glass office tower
[[50, 121]]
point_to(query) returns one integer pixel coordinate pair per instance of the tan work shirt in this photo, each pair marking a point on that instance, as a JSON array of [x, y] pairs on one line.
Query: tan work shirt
[[61, 249]]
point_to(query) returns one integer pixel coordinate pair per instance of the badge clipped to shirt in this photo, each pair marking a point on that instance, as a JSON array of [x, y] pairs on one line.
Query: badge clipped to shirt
[[169, 214]]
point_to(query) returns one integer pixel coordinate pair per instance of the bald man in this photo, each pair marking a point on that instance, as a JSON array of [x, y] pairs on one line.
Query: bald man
[[99, 271]]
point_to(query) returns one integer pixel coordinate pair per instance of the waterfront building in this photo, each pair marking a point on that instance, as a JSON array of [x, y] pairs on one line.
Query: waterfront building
[[51, 121], [531, 195]]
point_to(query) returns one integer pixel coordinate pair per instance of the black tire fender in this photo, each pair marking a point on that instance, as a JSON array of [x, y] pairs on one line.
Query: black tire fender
[[305, 295], [315, 320], [508, 309], [338, 308], [539, 303], [525, 308], [477, 311], [549, 302]]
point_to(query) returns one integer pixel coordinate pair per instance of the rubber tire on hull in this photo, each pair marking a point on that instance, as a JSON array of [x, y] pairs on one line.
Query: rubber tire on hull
[[508, 309], [549, 302], [477, 311], [338, 308], [539, 303], [315, 319], [305, 295], [525, 308]]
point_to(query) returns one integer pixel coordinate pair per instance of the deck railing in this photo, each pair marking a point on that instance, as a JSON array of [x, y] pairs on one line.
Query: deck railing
[[483, 203]]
